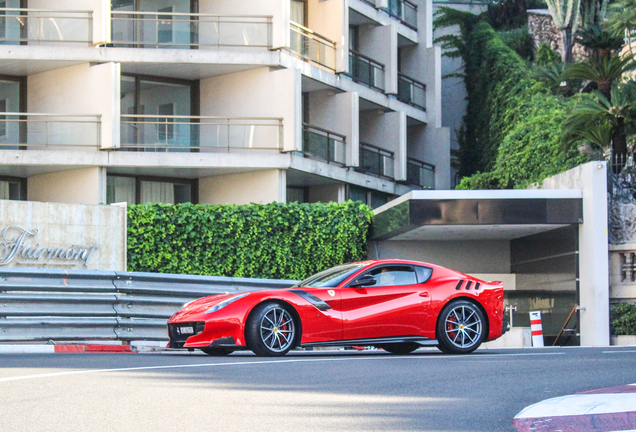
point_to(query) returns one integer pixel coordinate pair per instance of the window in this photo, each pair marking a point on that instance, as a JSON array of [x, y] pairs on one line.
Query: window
[[3, 21], [164, 26], [166, 126], [371, 198], [12, 188], [298, 12], [3, 118], [296, 194], [142, 190], [393, 275]]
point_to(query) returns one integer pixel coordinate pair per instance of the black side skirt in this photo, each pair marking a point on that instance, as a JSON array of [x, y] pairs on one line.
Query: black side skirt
[[376, 341]]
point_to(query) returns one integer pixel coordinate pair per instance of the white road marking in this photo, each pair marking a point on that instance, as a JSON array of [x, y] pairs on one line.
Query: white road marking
[[262, 362], [582, 404], [618, 352]]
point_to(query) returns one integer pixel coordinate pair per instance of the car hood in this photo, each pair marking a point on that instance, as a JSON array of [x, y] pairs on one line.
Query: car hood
[[203, 304]]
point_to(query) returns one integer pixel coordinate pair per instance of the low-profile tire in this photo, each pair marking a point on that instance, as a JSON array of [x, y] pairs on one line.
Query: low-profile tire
[[212, 351], [400, 348], [271, 330], [461, 327]]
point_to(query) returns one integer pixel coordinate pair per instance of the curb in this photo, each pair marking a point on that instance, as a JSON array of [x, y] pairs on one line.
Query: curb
[[64, 349]]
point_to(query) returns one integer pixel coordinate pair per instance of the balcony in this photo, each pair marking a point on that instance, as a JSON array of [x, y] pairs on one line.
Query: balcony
[[27, 131], [323, 145], [37, 26], [411, 92], [189, 31], [151, 133], [365, 70], [404, 11], [312, 47], [376, 161], [420, 173]]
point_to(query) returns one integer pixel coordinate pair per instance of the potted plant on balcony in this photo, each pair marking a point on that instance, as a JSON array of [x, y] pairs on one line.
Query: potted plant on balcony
[[623, 324]]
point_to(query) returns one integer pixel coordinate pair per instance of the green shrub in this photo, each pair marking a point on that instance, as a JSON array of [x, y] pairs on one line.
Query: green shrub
[[521, 41], [546, 55], [281, 241], [511, 135], [623, 319]]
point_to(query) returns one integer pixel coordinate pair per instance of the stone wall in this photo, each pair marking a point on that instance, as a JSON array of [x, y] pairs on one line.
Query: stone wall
[[542, 28]]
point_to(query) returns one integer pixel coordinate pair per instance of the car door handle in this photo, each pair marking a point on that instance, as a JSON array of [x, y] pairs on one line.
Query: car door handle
[[424, 294]]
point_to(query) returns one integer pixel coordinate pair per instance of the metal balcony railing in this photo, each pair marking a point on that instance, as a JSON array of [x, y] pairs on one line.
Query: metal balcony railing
[[27, 131], [411, 92], [420, 173], [364, 70], [311, 46], [376, 161], [323, 145], [19, 26], [198, 133], [403, 10], [186, 31]]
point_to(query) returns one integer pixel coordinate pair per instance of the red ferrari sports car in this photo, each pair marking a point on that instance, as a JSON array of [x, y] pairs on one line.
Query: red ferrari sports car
[[395, 305]]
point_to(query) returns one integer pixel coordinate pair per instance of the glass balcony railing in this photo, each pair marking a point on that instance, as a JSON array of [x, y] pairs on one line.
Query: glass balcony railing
[[27, 131], [187, 31], [197, 133], [37, 26], [404, 11], [311, 46], [323, 145], [376, 161], [365, 70], [411, 92], [420, 173]]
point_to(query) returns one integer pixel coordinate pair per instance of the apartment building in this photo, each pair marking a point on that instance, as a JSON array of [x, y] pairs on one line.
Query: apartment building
[[219, 101]]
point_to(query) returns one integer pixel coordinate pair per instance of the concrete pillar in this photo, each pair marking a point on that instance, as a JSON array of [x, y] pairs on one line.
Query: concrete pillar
[[263, 187]]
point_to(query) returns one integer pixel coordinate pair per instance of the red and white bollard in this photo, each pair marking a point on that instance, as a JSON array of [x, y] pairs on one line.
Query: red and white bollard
[[537, 330]]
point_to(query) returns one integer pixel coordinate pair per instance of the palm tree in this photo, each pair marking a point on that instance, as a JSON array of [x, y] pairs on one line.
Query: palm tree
[[621, 16], [604, 72], [604, 122], [598, 40], [555, 75]]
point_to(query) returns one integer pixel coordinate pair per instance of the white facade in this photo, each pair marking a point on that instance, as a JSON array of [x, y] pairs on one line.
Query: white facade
[[217, 101]]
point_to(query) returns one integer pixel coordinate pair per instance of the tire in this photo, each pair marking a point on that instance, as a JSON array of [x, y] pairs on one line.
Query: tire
[[400, 348], [271, 330], [460, 327], [211, 351]]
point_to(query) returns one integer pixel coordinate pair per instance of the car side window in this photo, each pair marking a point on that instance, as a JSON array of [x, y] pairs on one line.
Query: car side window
[[423, 274], [394, 275]]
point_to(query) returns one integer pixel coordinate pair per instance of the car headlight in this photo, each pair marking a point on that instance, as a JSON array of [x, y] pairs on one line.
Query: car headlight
[[225, 303]]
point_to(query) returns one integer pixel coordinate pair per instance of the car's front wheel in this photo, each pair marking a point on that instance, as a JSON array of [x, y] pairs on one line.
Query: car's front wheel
[[460, 327], [270, 330]]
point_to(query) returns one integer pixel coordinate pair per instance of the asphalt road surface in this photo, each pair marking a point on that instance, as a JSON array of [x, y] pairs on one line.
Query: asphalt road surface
[[304, 391]]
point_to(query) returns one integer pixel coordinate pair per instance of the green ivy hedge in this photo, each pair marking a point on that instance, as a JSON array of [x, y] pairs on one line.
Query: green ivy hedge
[[280, 241], [623, 319], [512, 129]]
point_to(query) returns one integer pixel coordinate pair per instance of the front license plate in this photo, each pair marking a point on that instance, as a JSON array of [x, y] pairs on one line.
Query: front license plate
[[186, 330]]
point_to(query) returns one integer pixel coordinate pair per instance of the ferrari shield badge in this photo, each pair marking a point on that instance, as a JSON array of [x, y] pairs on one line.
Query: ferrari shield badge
[[331, 293]]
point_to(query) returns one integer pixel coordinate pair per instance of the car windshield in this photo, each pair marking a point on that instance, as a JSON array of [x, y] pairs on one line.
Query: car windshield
[[331, 277]]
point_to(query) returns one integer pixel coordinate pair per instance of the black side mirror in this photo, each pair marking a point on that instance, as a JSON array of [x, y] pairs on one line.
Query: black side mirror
[[366, 280]]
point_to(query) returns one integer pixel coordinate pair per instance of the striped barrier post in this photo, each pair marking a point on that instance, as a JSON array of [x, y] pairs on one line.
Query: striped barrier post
[[537, 330]]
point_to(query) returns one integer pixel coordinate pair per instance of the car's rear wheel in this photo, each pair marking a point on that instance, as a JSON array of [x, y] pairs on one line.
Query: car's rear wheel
[[271, 330], [217, 351], [460, 327], [400, 348]]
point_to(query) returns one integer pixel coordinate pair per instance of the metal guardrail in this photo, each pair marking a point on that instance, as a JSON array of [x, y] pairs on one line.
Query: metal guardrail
[[376, 161], [58, 305], [323, 145], [365, 70], [25, 131], [411, 91], [312, 46]]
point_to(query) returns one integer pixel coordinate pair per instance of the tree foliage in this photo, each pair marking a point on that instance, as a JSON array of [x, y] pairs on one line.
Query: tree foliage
[[623, 319], [282, 241]]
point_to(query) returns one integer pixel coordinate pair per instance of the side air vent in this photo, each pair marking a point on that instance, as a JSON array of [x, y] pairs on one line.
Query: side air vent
[[469, 284], [459, 285], [477, 286]]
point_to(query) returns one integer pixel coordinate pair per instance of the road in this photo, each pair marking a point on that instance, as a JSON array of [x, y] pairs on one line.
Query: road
[[304, 391]]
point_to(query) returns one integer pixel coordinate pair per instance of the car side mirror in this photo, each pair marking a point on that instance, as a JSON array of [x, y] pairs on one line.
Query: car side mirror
[[366, 280]]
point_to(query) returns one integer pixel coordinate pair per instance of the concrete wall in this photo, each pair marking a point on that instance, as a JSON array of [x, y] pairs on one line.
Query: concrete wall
[[261, 92], [486, 256], [244, 188], [430, 144], [80, 186], [380, 43], [277, 9], [331, 19], [99, 8], [338, 113], [95, 234], [387, 131], [591, 178], [81, 89]]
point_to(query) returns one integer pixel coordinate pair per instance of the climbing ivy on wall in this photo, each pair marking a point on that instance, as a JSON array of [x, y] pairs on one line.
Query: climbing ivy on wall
[[511, 135], [280, 241]]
